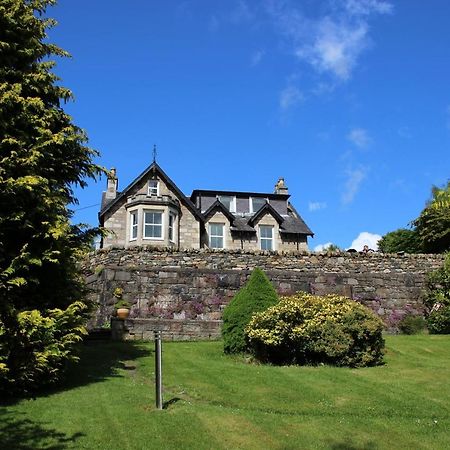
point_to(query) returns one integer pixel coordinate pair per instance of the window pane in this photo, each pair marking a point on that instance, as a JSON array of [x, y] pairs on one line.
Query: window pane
[[153, 187], [152, 224], [266, 232], [266, 244], [216, 230], [134, 225], [257, 204], [225, 200], [216, 242], [216, 235]]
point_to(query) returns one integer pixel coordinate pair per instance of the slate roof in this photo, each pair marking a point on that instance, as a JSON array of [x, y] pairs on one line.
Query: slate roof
[[154, 167], [295, 225], [291, 224]]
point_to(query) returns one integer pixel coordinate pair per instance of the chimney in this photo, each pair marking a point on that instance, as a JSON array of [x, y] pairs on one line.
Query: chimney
[[111, 186], [280, 187]]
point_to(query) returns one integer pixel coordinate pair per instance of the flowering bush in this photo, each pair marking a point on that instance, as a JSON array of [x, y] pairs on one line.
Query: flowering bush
[[307, 329]]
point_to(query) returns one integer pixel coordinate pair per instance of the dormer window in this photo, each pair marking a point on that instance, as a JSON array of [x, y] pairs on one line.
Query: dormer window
[[256, 203], [228, 201], [153, 187]]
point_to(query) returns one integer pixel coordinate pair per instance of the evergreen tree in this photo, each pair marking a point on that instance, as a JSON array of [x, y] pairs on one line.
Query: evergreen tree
[[43, 157], [256, 296]]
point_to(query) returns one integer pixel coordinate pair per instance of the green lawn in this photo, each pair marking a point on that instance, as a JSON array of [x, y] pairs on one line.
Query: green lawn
[[215, 402]]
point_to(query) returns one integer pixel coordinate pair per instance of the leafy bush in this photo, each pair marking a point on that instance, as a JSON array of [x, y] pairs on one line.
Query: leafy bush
[[306, 329], [412, 324], [438, 320], [40, 348], [257, 295], [437, 299]]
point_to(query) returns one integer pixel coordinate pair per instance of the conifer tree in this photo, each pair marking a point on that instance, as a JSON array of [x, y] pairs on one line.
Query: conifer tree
[[256, 296], [43, 156]]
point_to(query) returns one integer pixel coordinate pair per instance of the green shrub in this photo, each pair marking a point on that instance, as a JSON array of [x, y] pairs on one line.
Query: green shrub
[[412, 324], [438, 320], [257, 295], [306, 329], [37, 353], [437, 299]]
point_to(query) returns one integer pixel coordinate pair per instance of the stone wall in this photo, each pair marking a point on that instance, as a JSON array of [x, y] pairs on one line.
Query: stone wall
[[195, 285]]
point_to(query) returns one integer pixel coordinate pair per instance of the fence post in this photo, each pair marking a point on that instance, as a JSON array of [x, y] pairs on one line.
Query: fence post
[[158, 370]]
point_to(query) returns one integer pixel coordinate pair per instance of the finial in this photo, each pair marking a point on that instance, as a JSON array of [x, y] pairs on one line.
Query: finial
[[154, 153]]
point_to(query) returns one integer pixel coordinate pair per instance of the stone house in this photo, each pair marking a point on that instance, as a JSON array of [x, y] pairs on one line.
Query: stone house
[[153, 211]]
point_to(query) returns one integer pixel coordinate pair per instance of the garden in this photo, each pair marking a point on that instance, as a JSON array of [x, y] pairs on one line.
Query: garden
[[213, 401]]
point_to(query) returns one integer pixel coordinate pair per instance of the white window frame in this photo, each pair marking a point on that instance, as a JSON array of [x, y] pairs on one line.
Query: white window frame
[[171, 227], [253, 210], [134, 226], [144, 223], [210, 235], [153, 190], [265, 239], [232, 202]]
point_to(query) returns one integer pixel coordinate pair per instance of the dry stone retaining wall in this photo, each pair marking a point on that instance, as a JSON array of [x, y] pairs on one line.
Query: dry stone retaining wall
[[173, 288]]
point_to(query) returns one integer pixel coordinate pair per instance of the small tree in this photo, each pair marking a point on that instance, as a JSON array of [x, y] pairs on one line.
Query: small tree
[[257, 295]]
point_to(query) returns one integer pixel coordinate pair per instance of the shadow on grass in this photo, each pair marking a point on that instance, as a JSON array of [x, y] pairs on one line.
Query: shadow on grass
[[171, 402], [24, 434], [98, 361], [101, 360]]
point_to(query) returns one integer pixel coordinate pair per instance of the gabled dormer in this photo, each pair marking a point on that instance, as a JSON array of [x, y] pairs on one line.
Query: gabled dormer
[[151, 210]]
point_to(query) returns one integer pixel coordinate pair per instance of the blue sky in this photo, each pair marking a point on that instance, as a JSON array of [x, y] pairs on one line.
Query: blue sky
[[348, 100]]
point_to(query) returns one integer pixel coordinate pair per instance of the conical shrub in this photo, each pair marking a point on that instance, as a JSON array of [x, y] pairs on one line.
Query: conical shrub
[[257, 295]]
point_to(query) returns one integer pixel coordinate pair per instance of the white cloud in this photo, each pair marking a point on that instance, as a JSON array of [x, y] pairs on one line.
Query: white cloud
[[333, 42], [354, 179], [290, 97], [366, 7], [335, 48], [316, 206], [322, 247], [257, 57], [359, 137], [366, 238]]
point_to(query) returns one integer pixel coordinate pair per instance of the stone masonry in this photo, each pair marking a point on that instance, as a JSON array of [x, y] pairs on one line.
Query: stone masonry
[[183, 293]]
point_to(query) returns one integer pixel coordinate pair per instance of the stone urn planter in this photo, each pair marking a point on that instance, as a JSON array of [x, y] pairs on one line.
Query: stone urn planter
[[122, 306], [123, 313]]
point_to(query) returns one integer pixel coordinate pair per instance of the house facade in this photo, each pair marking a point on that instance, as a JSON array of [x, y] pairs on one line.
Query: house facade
[[153, 211]]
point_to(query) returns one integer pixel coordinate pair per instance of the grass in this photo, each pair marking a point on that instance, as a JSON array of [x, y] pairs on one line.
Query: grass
[[217, 402]]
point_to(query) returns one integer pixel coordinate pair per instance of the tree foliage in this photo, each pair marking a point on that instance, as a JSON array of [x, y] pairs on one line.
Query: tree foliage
[[433, 224], [257, 295], [430, 232], [402, 240], [43, 157]]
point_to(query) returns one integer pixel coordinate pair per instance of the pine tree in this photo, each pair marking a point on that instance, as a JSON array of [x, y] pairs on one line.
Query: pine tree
[[43, 157]]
